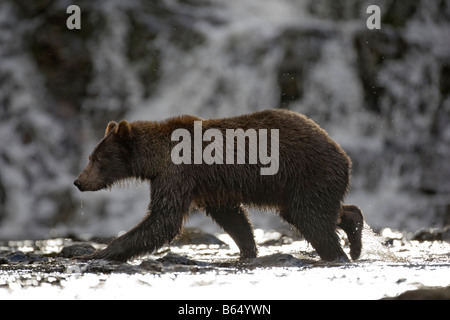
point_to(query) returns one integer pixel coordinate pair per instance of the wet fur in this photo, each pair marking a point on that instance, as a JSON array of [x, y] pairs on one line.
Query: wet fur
[[307, 191]]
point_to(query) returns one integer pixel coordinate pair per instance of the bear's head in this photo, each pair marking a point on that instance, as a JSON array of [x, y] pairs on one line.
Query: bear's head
[[110, 161]]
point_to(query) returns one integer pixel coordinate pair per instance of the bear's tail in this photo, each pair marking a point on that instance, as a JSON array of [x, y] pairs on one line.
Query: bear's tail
[[351, 221]]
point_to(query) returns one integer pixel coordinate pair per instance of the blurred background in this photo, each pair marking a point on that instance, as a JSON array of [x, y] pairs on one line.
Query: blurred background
[[384, 95]]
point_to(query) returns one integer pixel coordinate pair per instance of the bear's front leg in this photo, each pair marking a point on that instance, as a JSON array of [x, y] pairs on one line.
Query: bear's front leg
[[115, 251], [161, 225]]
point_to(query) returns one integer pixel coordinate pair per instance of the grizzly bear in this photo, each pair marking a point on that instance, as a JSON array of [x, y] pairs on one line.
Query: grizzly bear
[[307, 185]]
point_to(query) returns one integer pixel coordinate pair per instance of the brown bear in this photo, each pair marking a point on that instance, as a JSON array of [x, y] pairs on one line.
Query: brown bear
[[305, 180]]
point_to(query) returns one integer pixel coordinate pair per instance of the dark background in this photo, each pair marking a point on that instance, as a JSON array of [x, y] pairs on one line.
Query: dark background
[[384, 95]]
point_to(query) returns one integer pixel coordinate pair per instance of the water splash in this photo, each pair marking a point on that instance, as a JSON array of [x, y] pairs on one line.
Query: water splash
[[81, 204], [373, 248]]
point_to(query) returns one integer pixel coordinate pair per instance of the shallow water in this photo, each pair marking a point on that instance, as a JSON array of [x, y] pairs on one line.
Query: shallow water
[[286, 268]]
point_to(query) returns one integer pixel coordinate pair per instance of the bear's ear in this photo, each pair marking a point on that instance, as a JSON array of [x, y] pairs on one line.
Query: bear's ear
[[112, 125], [124, 129]]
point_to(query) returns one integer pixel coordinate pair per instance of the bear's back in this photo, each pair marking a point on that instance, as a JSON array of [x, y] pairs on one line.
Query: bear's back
[[307, 158]]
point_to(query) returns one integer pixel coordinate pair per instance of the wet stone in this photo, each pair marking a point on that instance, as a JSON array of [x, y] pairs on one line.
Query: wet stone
[[108, 267], [175, 259], [76, 250], [424, 294], [195, 236], [173, 262], [277, 260], [151, 265], [21, 257], [282, 240], [432, 234]]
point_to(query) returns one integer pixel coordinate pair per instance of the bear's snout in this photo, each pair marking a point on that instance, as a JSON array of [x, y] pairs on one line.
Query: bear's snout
[[78, 184]]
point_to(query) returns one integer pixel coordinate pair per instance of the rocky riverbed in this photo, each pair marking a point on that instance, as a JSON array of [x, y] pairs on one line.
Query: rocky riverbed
[[204, 266]]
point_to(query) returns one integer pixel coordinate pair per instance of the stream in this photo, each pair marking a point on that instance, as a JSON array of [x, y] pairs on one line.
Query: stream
[[286, 268]]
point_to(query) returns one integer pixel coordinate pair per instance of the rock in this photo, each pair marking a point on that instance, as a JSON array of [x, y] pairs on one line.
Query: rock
[[440, 293], [302, 49], [277, 260], [107, 267], [151, 265], [76, 250], [277, 242], [196, 236], [398, 13], [175, 259], [336, 9], [373, 50], [432, 234], [21, 257]]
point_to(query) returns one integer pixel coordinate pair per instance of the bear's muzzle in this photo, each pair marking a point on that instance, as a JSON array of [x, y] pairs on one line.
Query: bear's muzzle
[[78, 184]]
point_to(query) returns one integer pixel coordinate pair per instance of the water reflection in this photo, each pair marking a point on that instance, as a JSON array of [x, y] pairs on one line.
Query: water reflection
[[290, 270]]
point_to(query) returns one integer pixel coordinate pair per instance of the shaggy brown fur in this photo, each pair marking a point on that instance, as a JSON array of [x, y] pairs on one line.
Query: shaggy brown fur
[[307, 190]]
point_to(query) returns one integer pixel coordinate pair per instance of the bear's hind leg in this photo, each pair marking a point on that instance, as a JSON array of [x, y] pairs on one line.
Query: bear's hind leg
[[351, 221], [234, 221], [319, 230]]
